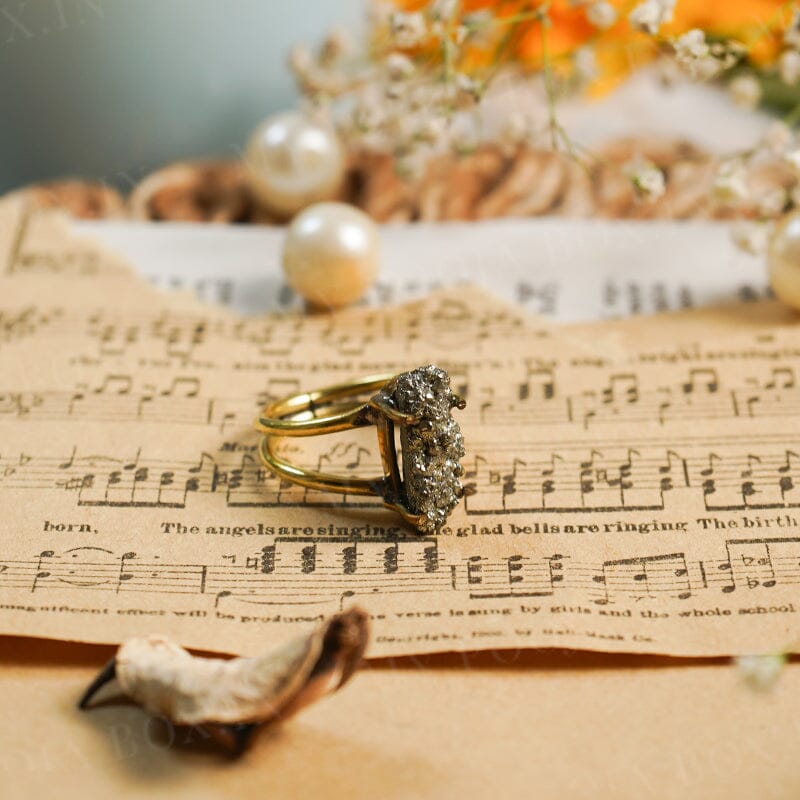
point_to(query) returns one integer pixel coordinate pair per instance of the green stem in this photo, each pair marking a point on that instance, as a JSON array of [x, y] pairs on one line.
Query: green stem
[[547, 76]]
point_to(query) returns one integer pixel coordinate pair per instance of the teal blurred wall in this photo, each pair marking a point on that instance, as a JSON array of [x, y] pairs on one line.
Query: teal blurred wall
[[112, 88]]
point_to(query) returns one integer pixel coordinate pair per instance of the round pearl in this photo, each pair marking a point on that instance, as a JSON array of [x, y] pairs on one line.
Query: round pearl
[[293, 161], [783, 259], [331, 254]]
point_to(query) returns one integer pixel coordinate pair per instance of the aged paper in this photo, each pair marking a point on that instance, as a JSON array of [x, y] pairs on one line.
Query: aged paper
[[640, 503]]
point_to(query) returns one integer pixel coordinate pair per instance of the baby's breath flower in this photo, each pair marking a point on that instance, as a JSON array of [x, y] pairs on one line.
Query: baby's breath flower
[[647, 179], [772, 203], [791, 36], [752, 237], [433, 130], [704, 61], [730, 181], [468, 90], [601, 14], [745, 91], [408, 29], [776, 138], [650, 15], [792, 158], [585, 63], [437, 29], [761, 672], [368, 116], [789, 66], [444, 9], [692, 44], [336, 44], [399, 66]]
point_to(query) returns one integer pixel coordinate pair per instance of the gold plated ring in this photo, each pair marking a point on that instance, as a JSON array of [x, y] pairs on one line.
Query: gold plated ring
[[424, 484]]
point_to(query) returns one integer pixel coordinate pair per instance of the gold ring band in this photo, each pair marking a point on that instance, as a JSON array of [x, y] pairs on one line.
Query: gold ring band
[[426, 487]]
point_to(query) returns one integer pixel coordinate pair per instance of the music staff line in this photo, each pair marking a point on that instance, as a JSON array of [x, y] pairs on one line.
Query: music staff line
[[516, 478], [116, 399], [182, 336], [294, 570]]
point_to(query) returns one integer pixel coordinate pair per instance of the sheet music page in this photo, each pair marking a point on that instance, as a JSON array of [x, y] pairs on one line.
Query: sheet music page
[[564, 270], [643, 502]]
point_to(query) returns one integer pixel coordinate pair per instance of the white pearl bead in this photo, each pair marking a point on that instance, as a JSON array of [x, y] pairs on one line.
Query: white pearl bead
[[293, 161], [331, 254], [784, 260]]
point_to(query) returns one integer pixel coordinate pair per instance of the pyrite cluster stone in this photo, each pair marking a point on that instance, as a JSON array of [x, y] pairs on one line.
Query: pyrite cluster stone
[[431, 447]]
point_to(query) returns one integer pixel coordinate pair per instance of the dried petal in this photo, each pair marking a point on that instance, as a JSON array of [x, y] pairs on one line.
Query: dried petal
[[167, 680]]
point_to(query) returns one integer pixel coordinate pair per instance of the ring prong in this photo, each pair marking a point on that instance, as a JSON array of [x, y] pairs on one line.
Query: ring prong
[[391, 413], [410, 517], [458, 401]]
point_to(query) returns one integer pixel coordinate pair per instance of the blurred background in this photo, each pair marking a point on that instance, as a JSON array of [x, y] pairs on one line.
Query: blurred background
[[111, 89]]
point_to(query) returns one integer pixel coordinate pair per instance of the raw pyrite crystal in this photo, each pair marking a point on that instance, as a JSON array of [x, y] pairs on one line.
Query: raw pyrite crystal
[[431, 447]]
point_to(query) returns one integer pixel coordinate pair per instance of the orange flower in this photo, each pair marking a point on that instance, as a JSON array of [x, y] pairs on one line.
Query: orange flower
[[619, 49]]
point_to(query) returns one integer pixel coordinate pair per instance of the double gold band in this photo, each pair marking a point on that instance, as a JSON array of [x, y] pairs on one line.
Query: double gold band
[[418, 402], [297, 415]]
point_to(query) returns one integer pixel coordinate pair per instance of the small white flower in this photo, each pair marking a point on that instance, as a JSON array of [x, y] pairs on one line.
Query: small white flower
[[730, 181], [601, 14], [777, 138], [692, 44], [468, 90], [437, 29], [399, 66], [585, 64], [650, 15], [752, 237], [791, 36], [789, 67], [337, 44], [409, 29], [745, 91], [647, 179], [368, 116], [700, 60], [761, 672], [444, 9], [433, 130], [772, 203], [792, 158]]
